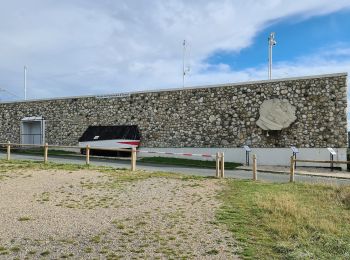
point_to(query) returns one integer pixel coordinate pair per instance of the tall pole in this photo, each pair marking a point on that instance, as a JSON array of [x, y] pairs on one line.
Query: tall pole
[[272, 42], [25, 82], [183, 63], [270, 61]]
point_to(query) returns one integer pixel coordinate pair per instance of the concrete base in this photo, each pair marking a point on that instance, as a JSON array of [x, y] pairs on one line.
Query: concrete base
[[265, 156]]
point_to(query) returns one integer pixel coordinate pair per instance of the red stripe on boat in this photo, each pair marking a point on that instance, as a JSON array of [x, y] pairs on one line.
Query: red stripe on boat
[[130, 142], [187, 154]]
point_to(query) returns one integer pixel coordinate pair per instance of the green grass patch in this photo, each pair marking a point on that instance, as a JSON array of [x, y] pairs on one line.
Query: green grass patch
[[15, 249], [188, 162], [40, 151], [118, 174], [287, 221], [25, 218], [45, 253], [14, 165]]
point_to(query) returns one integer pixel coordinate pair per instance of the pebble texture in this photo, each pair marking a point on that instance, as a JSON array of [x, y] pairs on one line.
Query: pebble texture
[[217, 116], [91, 215]]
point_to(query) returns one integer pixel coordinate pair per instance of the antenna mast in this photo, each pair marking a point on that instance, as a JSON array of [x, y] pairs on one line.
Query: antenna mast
[[25, 82], [183, 63], [272, 42], [185, 69]]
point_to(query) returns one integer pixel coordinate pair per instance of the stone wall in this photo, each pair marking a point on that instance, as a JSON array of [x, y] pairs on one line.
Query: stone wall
[[214, 116]]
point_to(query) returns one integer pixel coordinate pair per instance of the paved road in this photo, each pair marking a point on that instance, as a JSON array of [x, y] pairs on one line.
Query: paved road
[[239, 174]]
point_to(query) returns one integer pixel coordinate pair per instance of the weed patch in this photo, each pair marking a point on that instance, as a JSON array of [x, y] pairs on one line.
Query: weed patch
[[290, 221]]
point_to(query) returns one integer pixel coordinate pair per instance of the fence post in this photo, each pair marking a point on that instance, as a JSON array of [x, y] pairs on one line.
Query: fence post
[[222, 163], [255, 177], [46, 148], [217, 173], [87, 154], [8, 146], [133, 159], [292, 169]]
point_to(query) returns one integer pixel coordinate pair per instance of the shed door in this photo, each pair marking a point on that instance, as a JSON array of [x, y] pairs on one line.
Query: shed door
[[32, 131]]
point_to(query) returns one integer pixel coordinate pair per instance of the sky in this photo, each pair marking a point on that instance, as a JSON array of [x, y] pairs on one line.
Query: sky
[[88, 47]]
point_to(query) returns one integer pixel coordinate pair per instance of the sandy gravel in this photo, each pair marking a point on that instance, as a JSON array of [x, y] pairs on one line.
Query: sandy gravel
[[92, 215]]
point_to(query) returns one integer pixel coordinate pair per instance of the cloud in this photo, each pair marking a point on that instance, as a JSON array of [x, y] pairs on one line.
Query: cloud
[[93, 47]]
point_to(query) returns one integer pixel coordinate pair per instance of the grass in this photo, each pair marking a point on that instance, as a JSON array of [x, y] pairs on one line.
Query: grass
[[14, 165], [188, 162], [287, 221], [116, 180], [40, 151], [119, 175], [269, 221], [45, 253], [25, 218], [15, 249]]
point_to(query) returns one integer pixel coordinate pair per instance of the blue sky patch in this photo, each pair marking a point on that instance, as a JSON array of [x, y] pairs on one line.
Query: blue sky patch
[[295, 38]]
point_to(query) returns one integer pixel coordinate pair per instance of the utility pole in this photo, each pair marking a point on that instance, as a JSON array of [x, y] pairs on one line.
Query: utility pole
[[25, 82], [272, 42]]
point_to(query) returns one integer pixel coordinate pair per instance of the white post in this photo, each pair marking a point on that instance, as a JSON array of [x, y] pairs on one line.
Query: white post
[[217, 159], [222, 166], [133, 159], [292, 169], [272, 42], [270, 61], [183, 63], [8, 151], [87, 154], [255, 177], [25, 82], [46, 149]]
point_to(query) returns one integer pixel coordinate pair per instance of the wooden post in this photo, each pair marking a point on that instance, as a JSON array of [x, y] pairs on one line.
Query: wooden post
[[222, 164], [292, 169], [133, 159], [46, 149], [87, 154], [217, 173], [255, 177], [8, 150]]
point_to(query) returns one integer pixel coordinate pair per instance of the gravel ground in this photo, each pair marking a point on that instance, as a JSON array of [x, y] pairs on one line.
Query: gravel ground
[[87, 214]]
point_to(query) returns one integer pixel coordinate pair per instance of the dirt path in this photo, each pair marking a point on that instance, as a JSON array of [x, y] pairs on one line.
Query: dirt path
[[87, 214]]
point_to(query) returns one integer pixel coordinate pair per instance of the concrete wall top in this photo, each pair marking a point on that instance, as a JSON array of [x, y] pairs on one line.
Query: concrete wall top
[[237, 84]]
